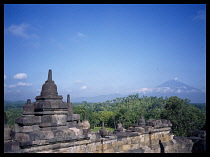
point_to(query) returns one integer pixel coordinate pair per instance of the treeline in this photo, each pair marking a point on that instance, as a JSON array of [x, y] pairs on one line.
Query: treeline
[[11, 105], [201, 106], [184, 116]]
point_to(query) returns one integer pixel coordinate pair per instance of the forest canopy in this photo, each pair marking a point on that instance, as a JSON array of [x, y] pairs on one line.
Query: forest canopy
[[184, 116]]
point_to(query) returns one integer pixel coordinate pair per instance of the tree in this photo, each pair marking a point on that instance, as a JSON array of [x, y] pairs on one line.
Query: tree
[[12, 114], [184, 117]]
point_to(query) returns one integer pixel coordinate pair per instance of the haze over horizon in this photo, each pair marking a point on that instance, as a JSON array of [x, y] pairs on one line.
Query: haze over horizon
[[102, 49]]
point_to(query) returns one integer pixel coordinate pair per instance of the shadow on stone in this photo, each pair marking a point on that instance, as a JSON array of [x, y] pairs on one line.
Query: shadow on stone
[[161, 147]]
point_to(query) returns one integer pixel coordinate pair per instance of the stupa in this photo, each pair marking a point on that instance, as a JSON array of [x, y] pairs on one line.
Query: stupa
[[48, 120]]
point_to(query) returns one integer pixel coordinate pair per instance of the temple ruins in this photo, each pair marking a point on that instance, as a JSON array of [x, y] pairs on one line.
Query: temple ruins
[[49, 125]]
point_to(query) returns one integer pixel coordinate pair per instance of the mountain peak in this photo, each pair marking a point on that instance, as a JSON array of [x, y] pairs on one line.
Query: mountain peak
[[174, 83]]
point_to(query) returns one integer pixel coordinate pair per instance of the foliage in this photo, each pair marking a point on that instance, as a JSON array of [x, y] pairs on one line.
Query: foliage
[[10, 105], [98, 128], [200, 106], [184, 117], [12, 114]]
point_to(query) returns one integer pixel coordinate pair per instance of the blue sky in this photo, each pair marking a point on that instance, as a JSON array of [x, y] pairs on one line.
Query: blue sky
[[102, 49]]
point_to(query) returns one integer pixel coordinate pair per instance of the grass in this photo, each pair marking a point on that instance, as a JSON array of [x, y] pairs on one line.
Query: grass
[[98, 128]]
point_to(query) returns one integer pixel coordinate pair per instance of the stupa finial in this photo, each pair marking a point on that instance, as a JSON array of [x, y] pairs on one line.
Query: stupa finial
[[50, 75], [68, 98]]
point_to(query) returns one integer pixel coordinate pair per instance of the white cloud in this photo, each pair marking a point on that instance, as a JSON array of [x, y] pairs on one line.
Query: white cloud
[[142, 90], [5, 77], [69, 90], [176, 78], [11, 86], [184, 87], [78, 81], [79, 34], [83, 87], [20, 76], [147, 90], [200, 15], [166, 89], [19, 84], [203, 90], [23, 84], [21, 30], [179, 91]]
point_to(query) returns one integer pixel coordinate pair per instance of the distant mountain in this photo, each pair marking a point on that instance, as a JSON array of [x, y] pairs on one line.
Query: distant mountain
[[179, 89], [168, 88], [99, 98], [174, 84]]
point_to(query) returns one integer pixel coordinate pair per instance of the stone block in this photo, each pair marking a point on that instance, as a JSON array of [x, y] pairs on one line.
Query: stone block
[[49, 125], [7, 132], [11, 146], [59, 119], [58, 133], [28, 109], [98, 151], [18, 128], [75, 132], [27, 129], [36, 135], [21, 137], [126, 147], [40, 142], [111, 150], [140, 129], [98, 147], [28, 120], [71, 124], [53, 120], [129, 141], [106, 146], [47, 135], [46, 119], [73, 117], [119, 143], [38, 106], [117, 149], [79, 150]]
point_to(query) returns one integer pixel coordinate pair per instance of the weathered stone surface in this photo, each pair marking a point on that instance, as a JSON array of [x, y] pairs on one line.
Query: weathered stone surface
[[72, 124], [28, 109], [139, 129], [7, 132], [21, 137], [85, 125], [58, 119], [11, 146], [28, 120], [73, 117], [57, 104]]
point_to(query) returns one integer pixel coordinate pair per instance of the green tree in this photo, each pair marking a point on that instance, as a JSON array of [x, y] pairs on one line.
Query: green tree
[[184, 117], [12, 114]]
